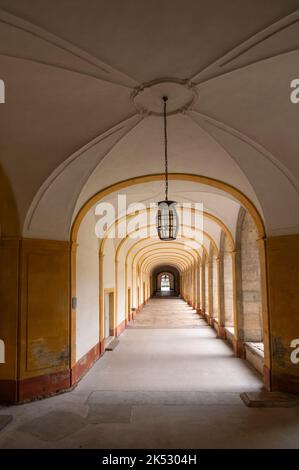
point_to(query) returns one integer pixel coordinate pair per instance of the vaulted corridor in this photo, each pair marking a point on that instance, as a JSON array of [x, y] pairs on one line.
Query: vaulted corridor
[[149, 224], [169, 382]]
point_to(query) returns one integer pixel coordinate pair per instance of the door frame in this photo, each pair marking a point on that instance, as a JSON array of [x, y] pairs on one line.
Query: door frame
[[111, 327]]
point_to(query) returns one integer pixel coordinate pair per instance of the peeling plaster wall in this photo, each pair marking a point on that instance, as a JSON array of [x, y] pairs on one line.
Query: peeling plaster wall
[[283, 274]]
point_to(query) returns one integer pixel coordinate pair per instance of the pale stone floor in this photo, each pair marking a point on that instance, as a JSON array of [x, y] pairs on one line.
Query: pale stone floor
[[161, 387]]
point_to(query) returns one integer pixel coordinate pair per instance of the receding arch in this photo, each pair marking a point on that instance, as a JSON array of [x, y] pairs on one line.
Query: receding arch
[[236, 193], [193, 210], [167, 254], [165, 268], [120, 245], [192, 275], [159, 247]]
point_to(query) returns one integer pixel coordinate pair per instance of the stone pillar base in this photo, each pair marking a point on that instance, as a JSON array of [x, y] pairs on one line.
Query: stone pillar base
[[284, 382], [267, 378], [239, 349], [221, 332]]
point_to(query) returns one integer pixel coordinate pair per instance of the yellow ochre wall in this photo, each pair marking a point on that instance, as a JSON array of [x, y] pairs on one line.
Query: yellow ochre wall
[[9, 276], [283, 289], [39, 322], [9, 265], [44, 325]]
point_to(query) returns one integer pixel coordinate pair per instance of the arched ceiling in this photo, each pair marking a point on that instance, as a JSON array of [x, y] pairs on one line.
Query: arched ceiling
[[69, 126]]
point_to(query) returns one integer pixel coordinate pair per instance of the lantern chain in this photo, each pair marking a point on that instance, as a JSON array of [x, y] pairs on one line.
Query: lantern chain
[[165, 148]]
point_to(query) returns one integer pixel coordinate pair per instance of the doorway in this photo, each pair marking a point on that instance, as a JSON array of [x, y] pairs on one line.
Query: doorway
[[165, 283], [109, 327]]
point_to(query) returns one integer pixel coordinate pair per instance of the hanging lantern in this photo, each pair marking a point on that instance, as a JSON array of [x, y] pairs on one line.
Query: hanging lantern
[[167, 220], [167, 217]]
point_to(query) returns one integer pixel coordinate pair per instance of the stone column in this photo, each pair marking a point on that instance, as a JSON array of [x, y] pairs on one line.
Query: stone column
[[221, 330]]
